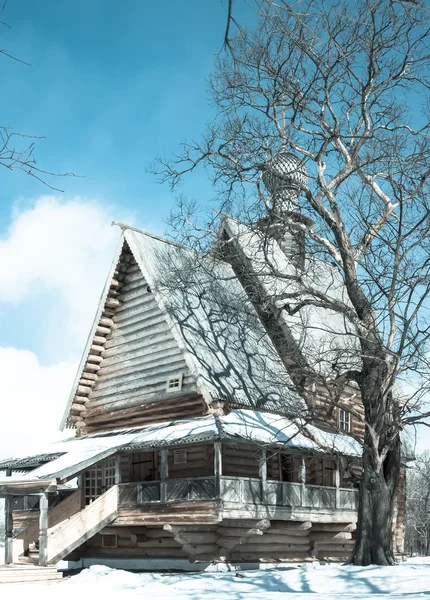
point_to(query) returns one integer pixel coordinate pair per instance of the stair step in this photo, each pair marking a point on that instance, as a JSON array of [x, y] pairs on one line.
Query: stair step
[[28, 574]]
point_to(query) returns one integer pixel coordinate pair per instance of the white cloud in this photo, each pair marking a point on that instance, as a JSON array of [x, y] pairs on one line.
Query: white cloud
[[63, 247], [33, 399]]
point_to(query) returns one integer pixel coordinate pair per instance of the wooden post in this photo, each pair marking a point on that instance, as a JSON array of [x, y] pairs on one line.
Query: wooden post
[[43, 531], [302, 477], [117, 469], [164, 473], [262, 472], [217, 467], [8, 524], [337, 483]]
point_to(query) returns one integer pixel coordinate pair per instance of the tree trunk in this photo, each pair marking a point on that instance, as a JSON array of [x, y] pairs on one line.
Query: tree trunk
[[374, 541]]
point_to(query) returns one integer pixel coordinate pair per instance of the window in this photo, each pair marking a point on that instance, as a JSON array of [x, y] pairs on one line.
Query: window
[[109, 540], [99, 478], [174, 384], [344, 420], [180, 457]]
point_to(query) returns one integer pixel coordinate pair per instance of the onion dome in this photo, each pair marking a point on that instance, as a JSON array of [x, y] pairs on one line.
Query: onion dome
[[284, 178]]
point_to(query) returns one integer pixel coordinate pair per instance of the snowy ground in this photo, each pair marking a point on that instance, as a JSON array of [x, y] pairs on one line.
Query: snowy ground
[[405, 581]]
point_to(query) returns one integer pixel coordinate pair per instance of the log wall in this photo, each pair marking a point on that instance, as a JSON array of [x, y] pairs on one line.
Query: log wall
[[132, 356], [232, 540]]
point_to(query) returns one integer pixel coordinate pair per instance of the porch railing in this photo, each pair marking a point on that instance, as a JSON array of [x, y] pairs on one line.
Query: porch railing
[[238, 490]]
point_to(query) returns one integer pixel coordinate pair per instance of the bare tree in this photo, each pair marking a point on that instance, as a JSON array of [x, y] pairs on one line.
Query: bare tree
[[344, 89], [16, 148], [418, 507]]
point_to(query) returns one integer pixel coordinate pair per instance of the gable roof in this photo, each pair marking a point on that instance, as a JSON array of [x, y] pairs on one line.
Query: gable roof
[[321, 336], [211, 322]]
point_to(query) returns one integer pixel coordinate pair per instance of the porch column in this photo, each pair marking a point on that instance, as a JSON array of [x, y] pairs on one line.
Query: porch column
[[262, 472], [164, 473], [337, 483], [302, 479], [217, 467], [117, 469], [43, 530], [8, 524]]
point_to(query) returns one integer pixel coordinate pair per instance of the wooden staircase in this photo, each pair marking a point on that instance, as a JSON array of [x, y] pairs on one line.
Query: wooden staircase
[[69, 533]]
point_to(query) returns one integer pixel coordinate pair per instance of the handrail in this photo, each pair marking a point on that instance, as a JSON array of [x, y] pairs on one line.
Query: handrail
[[69, 506], [65, 537]]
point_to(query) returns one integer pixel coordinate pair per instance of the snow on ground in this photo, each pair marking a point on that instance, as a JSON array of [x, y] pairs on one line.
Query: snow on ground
[[405, 581]]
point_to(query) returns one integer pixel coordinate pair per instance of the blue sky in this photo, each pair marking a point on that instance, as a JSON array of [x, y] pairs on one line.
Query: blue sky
[[111, 85]]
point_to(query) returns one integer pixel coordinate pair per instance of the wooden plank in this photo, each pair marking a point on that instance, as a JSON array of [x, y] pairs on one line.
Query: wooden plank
[[8, 520], [43, 531]]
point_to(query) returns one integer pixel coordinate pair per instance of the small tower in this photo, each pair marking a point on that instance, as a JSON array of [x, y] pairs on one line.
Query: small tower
[[284, 178]]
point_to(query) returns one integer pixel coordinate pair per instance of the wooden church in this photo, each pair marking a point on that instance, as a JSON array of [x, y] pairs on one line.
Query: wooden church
[[199, 436]]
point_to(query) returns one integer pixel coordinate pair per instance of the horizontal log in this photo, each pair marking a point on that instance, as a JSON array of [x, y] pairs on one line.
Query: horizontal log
[[207, 537], [193, 549], [244, 523], [96, 416], [100, 341], [77, 408], [75, 418], [158, 533], [87, 382], [189, 528], [96, 348], [93, 358], [161, 418], [330, 554], [160, 543], [124, 531], [140, 552], [328, 536], [238, 531], [257, 556], [105, 322], [331, 547], [291, 532], [292, 525], [112, 302], [83, 390], [92, 367], [281, 548], [102, 331], [89, 376], [80, 399], [278, 539], [151, 400], [334, 527]]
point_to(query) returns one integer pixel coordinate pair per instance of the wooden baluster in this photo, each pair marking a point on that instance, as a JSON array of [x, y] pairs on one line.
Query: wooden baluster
[[262, 471], [217, 467], [302, 478], [43, 531], [8, 522], [164, 473], [337, 483]]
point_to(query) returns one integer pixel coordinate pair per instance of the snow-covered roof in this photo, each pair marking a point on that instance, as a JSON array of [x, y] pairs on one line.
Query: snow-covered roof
[[212, 318], [322, 336], [248, 426]]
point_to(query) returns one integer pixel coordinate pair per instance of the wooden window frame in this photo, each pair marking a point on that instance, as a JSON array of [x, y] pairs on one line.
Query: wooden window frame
[[344, 417]]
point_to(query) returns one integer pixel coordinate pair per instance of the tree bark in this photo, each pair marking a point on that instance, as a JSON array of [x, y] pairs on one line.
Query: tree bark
[[374, 541]]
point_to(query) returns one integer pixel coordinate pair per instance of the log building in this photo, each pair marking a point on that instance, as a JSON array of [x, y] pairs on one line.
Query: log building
[[202, 432]]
